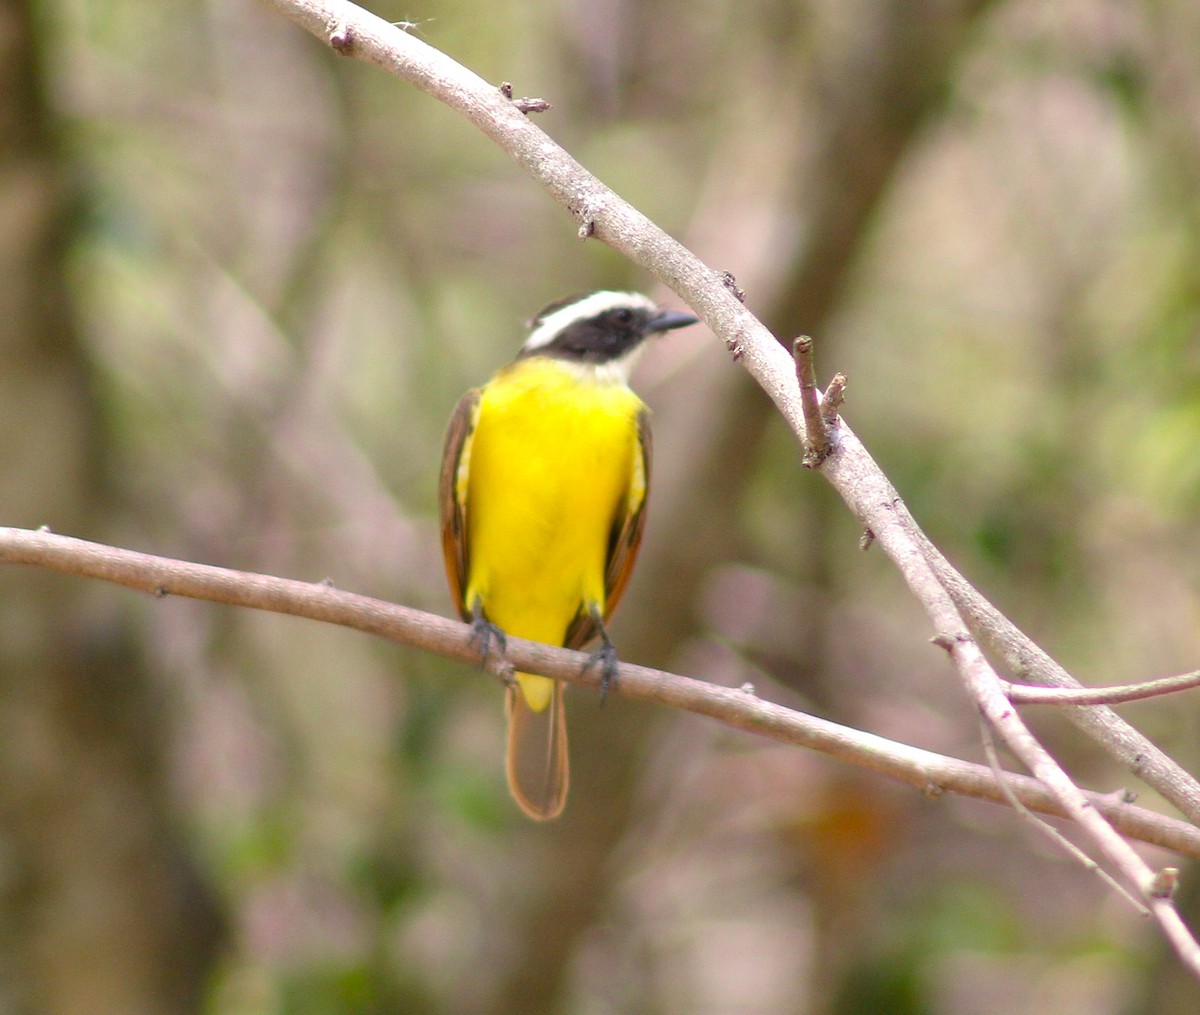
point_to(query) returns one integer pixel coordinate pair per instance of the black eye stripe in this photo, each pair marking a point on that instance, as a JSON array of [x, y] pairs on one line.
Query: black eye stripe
[[605, 337]]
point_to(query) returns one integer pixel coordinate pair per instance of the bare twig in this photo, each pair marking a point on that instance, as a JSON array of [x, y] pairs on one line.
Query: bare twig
[[1025, 694], [816, 428], [932, 773]]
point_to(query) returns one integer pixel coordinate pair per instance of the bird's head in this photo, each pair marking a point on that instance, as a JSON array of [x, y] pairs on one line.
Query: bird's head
[[602, 329]]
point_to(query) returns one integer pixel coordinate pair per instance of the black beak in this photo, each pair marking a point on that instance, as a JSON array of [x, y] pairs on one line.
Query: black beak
[[669, 320]]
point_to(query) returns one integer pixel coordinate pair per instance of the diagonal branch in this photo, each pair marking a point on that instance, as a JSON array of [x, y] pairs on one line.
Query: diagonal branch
[[1044, 827], [932, 773], [1023, 659]]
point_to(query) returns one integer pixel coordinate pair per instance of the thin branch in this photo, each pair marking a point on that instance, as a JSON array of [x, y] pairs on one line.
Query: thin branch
[[1025, 660], [1045, 828], [597, 210], [985, 688], [1026, 694], [932, 773], [874, 500]]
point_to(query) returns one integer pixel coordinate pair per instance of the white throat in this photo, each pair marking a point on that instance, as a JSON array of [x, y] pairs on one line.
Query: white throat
[[613, 371]]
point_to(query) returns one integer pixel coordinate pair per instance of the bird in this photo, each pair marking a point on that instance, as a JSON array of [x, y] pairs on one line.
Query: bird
[[542, 501]]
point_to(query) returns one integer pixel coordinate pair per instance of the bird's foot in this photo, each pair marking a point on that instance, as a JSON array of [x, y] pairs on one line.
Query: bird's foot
[[605, 658], [483, 634]]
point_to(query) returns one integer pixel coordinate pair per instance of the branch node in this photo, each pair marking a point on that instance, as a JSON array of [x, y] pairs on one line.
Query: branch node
[[1122, 795], [748, 688], [1164, 883], [730, 283], [585, 212], [933, 790], [342, 39], [816, 427], [505, 672], [946, 641], [524, 104]]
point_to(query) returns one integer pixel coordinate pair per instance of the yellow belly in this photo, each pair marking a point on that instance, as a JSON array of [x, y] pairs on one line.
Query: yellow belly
[[553, 459]]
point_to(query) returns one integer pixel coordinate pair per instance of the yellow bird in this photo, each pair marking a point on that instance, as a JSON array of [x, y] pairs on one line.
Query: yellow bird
[[542, 498]]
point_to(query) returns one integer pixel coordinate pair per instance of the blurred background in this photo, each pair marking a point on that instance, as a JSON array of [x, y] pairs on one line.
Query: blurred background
[[244, 283]]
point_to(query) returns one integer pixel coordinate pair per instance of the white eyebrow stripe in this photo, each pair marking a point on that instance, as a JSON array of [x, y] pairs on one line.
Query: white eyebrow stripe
[[590, 306]]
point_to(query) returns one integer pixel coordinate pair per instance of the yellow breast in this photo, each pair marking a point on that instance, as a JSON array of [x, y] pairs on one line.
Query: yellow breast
[[553, 460]]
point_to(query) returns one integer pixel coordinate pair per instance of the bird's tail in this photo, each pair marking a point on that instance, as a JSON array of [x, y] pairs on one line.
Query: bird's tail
[[538, 772]]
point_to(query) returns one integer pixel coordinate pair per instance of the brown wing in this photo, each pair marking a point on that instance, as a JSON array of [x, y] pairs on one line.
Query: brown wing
[[624, 541], [452, 496]]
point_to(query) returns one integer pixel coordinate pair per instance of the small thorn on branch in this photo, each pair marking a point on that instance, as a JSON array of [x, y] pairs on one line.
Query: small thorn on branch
[[524, 104], [342, 39], [948, 642], [816, 427]]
